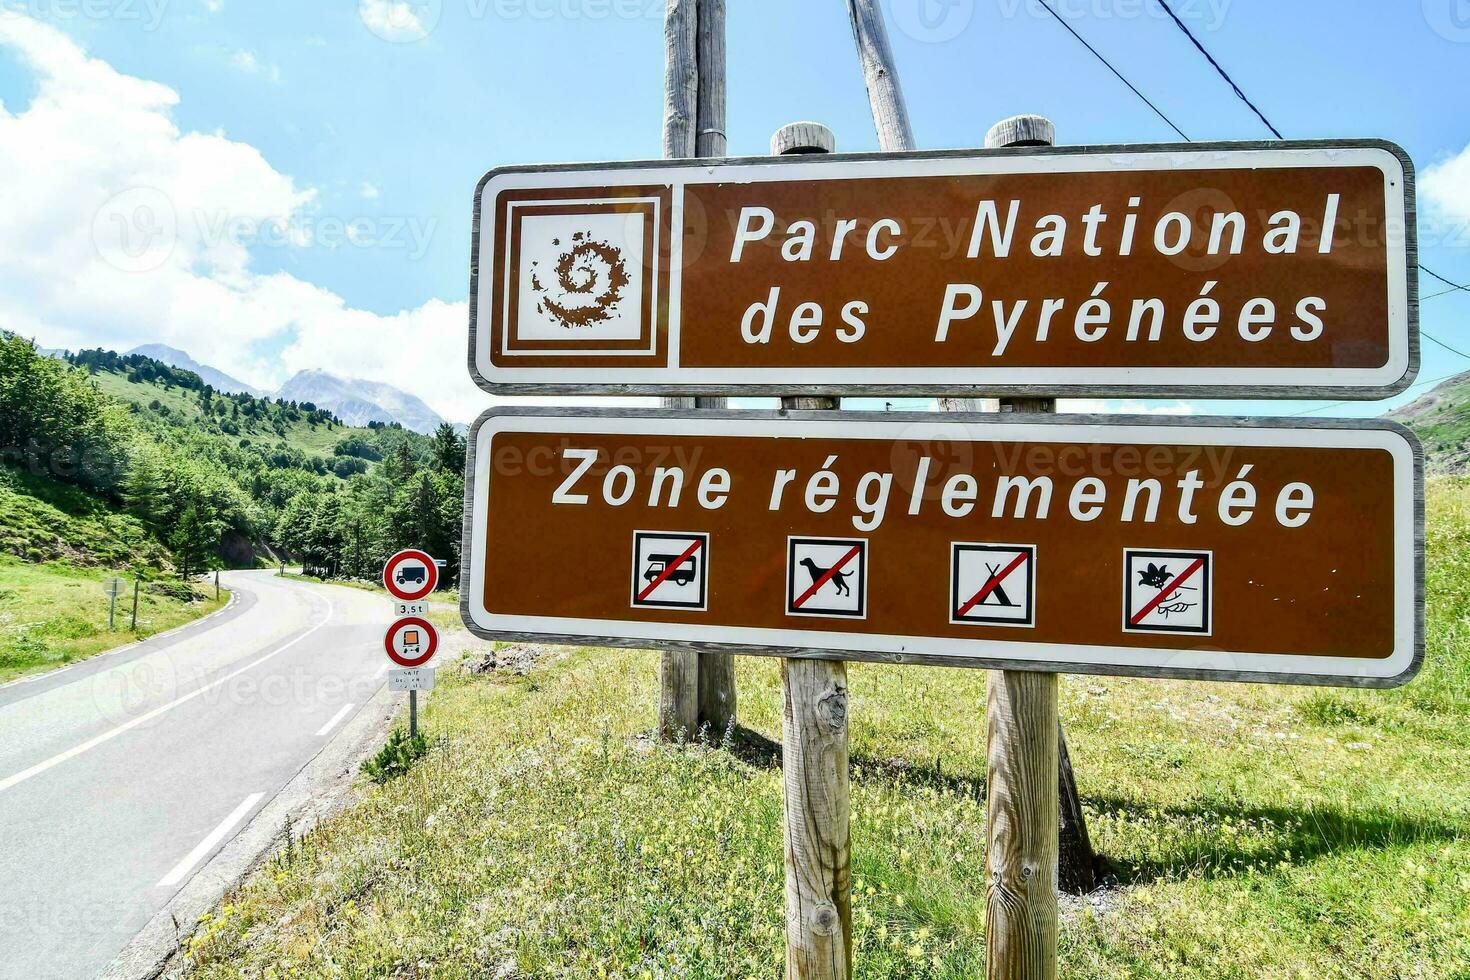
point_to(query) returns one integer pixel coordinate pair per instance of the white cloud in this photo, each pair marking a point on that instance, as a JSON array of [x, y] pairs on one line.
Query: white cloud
[[370, 191], [249, 62], [214, 6], [1446, 185], [117, 233], [399, 20]]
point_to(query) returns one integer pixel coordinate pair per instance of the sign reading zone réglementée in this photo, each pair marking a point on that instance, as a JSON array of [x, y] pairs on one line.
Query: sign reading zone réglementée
[[1235, 549], [1256, 269]]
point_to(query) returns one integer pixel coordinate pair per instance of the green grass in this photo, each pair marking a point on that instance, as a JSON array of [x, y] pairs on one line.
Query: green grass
[[1254, 831], [44, 520], [53, 614], [183, 404]]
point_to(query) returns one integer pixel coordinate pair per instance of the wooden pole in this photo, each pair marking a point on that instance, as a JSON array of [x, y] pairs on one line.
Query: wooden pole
[[891, 119], [716, 680], [1023, 763], [880, 74], [678, 675], [814, 756], [136, 586]]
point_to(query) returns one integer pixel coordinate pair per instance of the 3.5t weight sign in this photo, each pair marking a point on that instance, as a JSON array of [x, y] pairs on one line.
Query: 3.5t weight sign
[[1241, 549]]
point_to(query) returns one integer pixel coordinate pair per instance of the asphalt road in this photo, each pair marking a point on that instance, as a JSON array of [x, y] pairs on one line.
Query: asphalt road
[[121, 776]]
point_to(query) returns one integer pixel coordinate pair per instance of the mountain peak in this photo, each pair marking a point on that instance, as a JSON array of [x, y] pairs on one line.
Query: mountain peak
[[213, 377], [358, 402]]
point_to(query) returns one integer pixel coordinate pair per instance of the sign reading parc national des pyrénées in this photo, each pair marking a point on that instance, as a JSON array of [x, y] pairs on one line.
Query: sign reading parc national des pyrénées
[[1233, 549], [1237, 269]]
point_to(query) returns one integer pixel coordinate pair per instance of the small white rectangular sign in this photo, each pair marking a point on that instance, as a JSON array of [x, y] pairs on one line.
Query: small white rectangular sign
[[401, 609], [411, 679]]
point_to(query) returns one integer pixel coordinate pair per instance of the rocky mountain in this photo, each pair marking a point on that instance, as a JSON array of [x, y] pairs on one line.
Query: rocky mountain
[[213, 377], [357, 402], [1441, 420]]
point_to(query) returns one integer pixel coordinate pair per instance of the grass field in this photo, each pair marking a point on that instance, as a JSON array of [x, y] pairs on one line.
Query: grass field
[[53, 614], [1254, 831]]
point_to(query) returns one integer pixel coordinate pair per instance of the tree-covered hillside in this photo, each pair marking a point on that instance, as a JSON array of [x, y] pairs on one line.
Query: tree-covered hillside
[[219, 478]]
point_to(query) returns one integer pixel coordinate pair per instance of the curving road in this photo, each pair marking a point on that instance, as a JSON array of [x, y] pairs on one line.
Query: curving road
[[119, 777]]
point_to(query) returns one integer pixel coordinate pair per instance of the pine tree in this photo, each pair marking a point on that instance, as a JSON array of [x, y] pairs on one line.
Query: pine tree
[[447, 450]]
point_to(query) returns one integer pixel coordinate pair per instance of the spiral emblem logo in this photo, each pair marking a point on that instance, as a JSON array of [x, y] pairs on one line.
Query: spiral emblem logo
[[586, 284]]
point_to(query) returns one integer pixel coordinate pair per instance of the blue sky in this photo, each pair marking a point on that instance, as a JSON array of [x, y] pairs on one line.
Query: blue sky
[[340, 112]]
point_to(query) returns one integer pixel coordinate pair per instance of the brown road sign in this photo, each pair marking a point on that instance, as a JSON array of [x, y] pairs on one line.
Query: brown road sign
[[1242, 549], [1233, 269]]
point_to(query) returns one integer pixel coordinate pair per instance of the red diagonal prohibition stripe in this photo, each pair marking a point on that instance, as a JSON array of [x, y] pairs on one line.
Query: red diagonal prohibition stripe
[[989, 587], [827, 576], [663, 576], [1153, 603]]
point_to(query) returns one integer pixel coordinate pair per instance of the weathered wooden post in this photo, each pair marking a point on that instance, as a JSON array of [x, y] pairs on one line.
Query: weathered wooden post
[[717, 702], [814, 755], [678, 676], [891, 119], [696, 691], [1021, 733], [136, 586]]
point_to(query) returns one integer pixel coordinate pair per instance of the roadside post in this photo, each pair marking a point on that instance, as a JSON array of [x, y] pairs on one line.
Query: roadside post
[[137, 584], [410, 577], [113, 587], [216, 585], [1025, 543]]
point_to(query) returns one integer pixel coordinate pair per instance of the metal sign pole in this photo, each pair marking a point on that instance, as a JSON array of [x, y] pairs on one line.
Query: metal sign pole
[[413, 714]]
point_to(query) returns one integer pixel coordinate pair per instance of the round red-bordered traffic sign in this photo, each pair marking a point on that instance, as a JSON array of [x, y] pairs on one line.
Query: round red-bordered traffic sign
[[410, 575], [407, 649]]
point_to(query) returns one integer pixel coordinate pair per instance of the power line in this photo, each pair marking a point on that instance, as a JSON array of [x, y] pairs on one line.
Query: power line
[[1131, 87], [1443, 292], [1223, 73], [1448, 282], [1262, 117], [1417, 384], [1446, 346]]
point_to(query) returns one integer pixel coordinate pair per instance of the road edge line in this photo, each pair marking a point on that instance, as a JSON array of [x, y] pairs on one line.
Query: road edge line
[[323, 785]]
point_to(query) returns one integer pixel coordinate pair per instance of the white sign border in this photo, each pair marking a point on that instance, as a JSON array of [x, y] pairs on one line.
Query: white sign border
[[1168, 382], [1391, 437]]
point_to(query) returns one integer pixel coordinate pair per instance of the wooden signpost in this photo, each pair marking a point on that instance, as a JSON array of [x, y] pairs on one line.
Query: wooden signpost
[[1026, 543]]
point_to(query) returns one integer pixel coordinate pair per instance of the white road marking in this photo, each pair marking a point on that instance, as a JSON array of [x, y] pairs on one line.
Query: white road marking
[[341, 713], [209, 843], [380, 672], [91, 743]]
